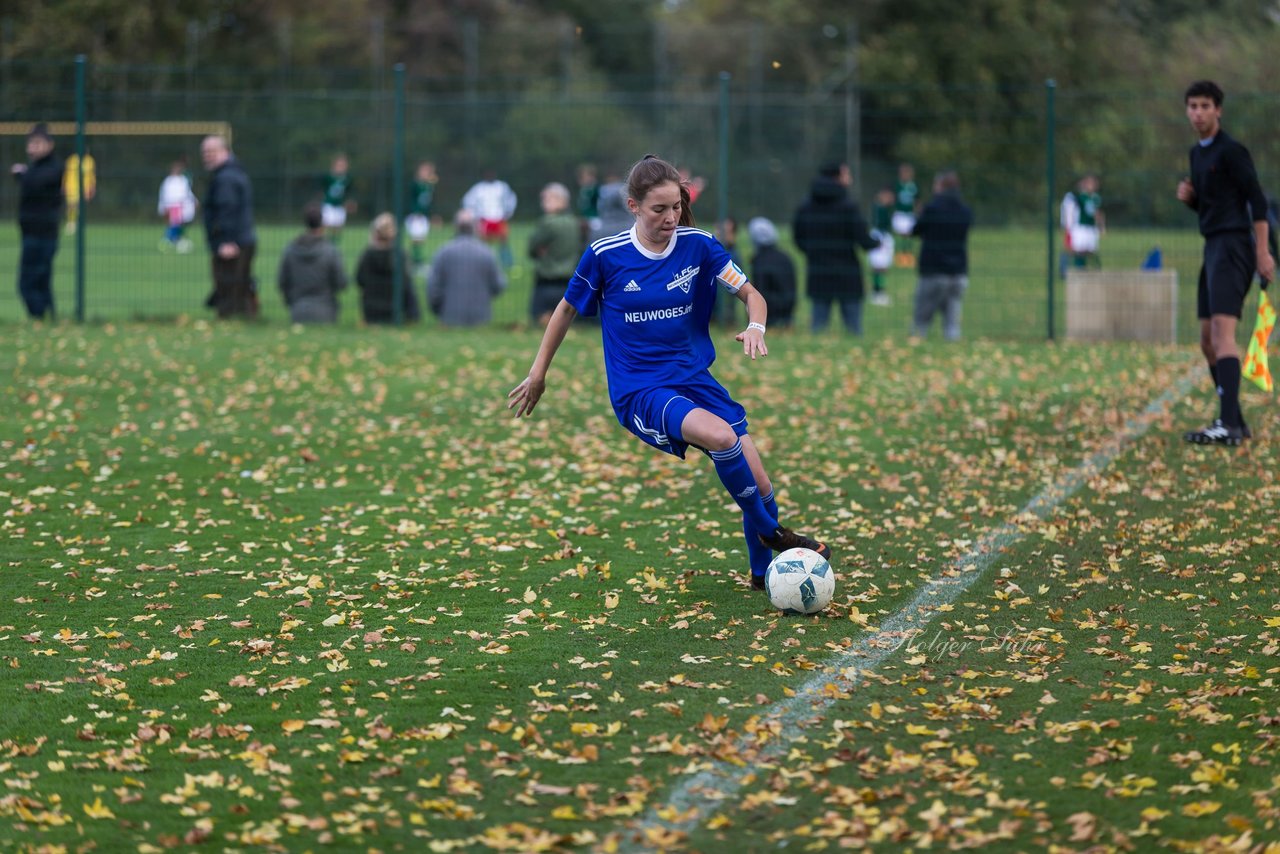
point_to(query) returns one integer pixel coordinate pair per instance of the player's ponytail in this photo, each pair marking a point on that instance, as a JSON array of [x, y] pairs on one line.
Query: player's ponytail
[[686, 206]]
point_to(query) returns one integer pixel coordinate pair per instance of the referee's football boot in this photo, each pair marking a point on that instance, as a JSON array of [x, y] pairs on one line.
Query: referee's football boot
[[1245, 432], [1216, 433], [785, 538]]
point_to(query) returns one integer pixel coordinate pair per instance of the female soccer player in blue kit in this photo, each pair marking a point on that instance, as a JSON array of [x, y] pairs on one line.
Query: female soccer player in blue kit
[[653, 288]]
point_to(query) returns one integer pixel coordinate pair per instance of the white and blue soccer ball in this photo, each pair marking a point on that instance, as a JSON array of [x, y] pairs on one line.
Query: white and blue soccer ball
[[800, 581]]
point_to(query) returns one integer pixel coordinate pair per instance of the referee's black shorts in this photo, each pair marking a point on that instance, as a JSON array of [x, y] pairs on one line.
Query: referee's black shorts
[[1227, 273]]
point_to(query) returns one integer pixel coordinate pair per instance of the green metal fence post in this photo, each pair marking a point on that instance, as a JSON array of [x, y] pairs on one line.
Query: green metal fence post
[[722, 196], [1049, 86], [397, 196], [81, 62]]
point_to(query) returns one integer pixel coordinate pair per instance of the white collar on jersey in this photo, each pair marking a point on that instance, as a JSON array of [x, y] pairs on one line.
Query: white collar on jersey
[[653, 256]]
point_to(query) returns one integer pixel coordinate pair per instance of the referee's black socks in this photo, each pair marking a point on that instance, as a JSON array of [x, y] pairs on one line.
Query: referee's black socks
[[1229, 387]]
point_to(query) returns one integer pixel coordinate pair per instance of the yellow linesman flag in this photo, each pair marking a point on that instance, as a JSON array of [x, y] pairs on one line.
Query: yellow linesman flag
[[1255, 360]]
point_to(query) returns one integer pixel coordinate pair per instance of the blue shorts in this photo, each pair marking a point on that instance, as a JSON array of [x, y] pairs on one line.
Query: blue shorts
[[655, 415]]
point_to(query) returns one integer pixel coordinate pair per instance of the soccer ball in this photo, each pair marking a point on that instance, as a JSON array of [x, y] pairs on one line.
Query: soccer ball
[[800, 581]]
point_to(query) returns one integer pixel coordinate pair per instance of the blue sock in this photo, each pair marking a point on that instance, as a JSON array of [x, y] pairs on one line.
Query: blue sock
[[735, 474], [771, 506], [758, 553]]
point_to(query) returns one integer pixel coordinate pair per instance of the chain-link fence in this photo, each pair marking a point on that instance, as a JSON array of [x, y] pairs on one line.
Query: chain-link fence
[[757, 147]]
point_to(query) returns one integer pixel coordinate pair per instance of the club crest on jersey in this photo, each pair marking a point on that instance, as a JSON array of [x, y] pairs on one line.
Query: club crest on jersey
[[684, 279], [631, 286]]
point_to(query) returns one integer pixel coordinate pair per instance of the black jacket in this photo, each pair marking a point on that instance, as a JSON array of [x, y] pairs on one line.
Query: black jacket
[[943, 229], [828, 227], [774, 276], [228, 206], [376, 280], [40, 197]]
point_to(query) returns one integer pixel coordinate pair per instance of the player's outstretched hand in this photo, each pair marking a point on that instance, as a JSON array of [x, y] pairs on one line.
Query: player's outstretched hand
[[524, 397], [752, 342]]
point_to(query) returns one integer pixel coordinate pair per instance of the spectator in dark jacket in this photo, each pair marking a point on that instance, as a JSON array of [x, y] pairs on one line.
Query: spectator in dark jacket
[[375, 274], [828, 229], [39, 215], [943, 229], [311, 273], [772, 272], [228, 224]]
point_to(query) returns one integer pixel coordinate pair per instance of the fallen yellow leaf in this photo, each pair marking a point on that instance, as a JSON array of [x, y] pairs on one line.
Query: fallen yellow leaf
[[98, 810], [1199, 808]]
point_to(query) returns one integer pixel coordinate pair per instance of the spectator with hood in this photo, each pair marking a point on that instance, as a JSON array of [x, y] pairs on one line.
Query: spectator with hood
[[829, 228], [311, 273]]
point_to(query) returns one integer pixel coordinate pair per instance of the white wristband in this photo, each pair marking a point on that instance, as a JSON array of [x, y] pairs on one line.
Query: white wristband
[[754, 325]]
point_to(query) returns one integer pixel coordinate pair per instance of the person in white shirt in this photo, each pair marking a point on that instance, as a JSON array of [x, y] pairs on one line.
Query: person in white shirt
[[177, 205], [492, 202]]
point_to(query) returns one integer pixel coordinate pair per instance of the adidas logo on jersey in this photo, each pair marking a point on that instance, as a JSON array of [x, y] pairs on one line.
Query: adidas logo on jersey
[[748, 492], [631, 286]]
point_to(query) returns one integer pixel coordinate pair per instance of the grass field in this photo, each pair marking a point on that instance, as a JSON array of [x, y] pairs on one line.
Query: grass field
[[282, 589], [128, 278]]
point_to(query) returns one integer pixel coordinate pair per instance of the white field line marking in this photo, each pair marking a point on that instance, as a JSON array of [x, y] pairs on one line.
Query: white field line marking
[[721, 780]]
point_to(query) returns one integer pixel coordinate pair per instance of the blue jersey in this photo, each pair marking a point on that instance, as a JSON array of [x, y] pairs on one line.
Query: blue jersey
[[654, 309]]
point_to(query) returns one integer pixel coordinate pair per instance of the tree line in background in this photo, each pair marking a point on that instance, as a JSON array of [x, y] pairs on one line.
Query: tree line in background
[[1081, 43], [937, 83]]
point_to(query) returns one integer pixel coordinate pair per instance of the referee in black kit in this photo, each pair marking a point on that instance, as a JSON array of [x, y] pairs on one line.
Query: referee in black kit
[[1223, 190]]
